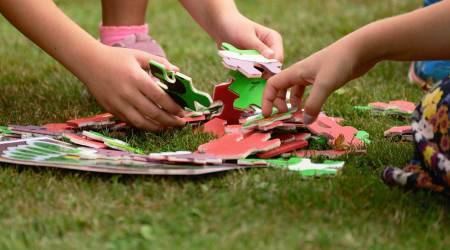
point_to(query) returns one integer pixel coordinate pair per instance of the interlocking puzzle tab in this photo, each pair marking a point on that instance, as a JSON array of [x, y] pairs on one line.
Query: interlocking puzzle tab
[[179, 87], [249, 62]]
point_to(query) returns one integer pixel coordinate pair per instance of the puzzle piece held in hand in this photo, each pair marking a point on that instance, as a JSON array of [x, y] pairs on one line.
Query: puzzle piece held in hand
[[179, 87], [249, 62], [226, 97], [236, 146]]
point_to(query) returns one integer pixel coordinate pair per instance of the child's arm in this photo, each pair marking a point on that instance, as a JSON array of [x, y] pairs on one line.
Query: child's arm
[[418, 35], [113, 75], [223, 22]]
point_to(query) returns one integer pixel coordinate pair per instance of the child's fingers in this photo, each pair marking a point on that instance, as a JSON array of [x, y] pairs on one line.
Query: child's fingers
[[280, 101], [130, 115], [153, 92], [313, 105], [297, 96], [265, 50], [150, 111], [143, 58], [282, 81], [275, 42]]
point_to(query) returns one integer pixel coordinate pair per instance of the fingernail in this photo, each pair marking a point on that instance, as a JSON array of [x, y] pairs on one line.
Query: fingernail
[[269, 52], [173, 67], [307, 119]]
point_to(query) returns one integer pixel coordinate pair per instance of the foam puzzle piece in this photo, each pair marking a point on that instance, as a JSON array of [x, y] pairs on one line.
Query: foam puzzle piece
[[100, 120], [261, 121], [337, 134], [123, 147], [33, 130], [301, 165], [195, 119], [249, 62], [179, 87], [186, 157], [59, 127], [102, 138], [83, 141], [249, 91], [332, 153], [226, 97], [404, 132], [284, 148], [236, 146], [400, 105], [216, 126], [288, 137]]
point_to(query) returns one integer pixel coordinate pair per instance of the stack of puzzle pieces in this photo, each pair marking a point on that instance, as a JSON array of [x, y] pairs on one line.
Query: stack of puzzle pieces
[[244, 138]]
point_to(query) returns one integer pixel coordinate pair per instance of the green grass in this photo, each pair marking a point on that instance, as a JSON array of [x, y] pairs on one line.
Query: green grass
[[259, 208]]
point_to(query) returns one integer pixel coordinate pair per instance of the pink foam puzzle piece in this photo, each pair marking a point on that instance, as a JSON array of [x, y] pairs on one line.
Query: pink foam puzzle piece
[[283, 148], [236, 146], [216, 126], [329, 128], [97, 120], [245, 67], [83, 141], [226, 97], [251, 69], [194, 119], [398, 130], [404, 106], [58, 127], [401, 105], [196, 158]]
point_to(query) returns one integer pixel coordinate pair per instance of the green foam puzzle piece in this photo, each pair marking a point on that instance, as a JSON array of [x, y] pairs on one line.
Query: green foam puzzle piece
[[363, 136], [229, 47], [250, 90], [392, 111], [179, 87], [5, 130]]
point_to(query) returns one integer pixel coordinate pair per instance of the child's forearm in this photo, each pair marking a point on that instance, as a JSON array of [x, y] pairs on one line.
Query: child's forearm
[[210, 14], [47, 26], [419, 35]]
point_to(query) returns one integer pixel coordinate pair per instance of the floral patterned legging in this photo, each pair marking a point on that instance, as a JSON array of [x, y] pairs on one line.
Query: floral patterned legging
[[430, 167]]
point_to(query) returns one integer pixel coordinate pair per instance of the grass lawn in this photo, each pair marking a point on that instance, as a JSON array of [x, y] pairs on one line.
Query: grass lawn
[[261, 208]]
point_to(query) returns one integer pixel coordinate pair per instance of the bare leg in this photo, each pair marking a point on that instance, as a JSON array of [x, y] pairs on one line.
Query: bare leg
[[124, 12]]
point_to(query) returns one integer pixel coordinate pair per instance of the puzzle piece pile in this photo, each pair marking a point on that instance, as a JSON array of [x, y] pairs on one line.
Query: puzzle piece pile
[[244, 138]]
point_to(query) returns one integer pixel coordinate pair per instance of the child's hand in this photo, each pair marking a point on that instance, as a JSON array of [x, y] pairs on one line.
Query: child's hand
[[246, 34], [327, 70], [117, 79]]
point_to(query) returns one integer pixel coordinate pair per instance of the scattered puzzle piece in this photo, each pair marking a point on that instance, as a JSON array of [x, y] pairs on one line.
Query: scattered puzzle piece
[[404, 132], [397, 107], [260, 121], [336, 133], [235, 146], [216, 126], [179, 87], [226, 97], [59, 127]]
